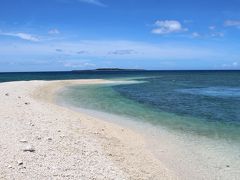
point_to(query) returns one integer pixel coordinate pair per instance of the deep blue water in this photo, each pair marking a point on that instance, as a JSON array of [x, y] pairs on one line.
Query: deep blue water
[[214, 96], [21, 76]]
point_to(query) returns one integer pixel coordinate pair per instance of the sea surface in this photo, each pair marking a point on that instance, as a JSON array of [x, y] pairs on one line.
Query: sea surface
[[205, 103]]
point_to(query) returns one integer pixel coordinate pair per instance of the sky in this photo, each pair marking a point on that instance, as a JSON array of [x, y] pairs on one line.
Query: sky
[[59, 35]]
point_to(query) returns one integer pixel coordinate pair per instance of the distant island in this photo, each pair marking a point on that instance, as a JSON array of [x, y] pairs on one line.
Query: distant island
[[110, 69]]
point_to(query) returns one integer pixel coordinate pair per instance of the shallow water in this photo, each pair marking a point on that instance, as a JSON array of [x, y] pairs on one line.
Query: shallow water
[[194, 104]]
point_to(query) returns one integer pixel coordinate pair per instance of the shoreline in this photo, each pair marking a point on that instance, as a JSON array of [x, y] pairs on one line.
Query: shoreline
[[67, 143], [189, 156], [76, 144]]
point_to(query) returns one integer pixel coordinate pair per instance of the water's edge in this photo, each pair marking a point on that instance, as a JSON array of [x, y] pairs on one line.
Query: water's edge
[[174, 148]]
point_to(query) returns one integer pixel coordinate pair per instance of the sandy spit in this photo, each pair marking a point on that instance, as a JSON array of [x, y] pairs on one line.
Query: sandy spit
[[42, 140]]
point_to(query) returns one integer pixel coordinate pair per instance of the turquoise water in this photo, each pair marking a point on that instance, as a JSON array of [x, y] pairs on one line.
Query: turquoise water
[[202, 104]]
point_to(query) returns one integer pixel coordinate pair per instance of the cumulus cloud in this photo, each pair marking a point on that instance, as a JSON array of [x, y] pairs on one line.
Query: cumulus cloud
[[235, 23], [53, 31], [24, 36], [167, 27], [94, 2]]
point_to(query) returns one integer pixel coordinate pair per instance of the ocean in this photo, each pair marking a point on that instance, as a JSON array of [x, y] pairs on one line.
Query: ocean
[[205, 103]]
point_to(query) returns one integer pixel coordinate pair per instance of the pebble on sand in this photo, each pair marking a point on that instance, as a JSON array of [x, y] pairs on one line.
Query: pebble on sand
[[20, 162], [38, 137], [23, 141], [29, 148]]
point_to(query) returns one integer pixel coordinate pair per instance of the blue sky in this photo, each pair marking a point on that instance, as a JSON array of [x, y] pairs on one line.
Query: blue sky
[[151, 34]]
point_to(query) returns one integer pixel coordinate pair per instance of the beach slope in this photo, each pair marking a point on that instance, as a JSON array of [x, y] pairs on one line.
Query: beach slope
[[40, 139]]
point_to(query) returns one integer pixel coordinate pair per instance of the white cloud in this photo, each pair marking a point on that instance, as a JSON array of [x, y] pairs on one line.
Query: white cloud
[[94, 2], [195, 34], [101, 49], [53, 31], [212, 27], [235, 63], [77, 64], [217, 34], [24, 36], [167, 27], [231, 65], [235, 23], [123, 52]]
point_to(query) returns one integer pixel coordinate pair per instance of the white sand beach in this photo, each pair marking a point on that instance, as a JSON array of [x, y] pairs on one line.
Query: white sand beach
[[42, 140], [119, 90]]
